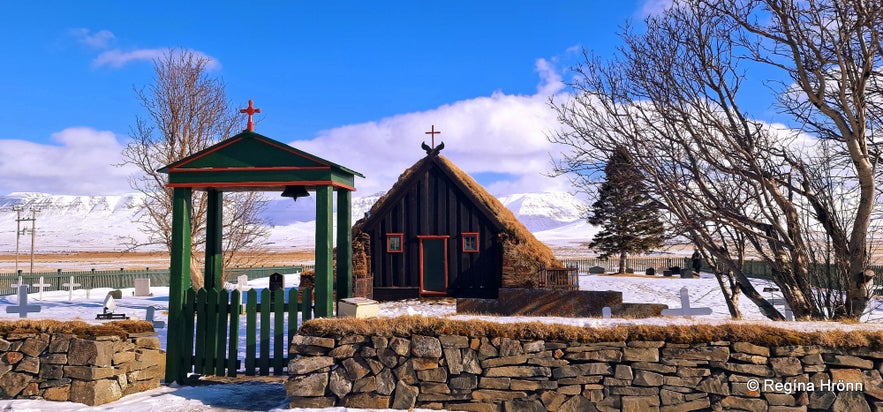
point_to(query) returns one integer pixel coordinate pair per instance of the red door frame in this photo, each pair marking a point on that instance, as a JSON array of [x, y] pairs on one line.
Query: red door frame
[[445, 238]]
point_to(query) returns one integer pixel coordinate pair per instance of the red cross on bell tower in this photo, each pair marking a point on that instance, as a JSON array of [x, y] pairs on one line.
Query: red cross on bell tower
[[250, 111]]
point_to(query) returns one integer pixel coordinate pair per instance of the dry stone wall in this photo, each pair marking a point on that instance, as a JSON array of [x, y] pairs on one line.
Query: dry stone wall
[[64, 367], [499, 374]]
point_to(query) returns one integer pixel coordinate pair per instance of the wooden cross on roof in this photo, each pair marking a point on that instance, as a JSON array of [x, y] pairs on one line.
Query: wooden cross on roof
[[250, 111], [432, 132], [433, 149]]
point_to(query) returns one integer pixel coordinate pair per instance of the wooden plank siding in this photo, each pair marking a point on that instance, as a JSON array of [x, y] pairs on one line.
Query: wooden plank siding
[[434, 205]]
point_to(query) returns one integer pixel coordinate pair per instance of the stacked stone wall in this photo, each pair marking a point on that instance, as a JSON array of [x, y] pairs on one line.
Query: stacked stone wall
[[64, 367], [499, 374]]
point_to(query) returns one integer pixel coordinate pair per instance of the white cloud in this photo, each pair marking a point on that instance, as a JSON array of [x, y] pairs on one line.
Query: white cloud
[[655, 7], [118, 58], [80, 163], [97, 40], [503, 135], [551, 80]]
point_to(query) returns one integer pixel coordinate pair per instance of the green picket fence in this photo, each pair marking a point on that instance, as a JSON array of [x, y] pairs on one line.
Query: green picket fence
[[214, 319]]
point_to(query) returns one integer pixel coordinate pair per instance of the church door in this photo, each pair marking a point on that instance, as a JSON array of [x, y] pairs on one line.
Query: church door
[[433, 265]]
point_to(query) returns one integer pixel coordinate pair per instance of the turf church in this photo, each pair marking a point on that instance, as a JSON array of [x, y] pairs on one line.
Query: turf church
[[438, 232]]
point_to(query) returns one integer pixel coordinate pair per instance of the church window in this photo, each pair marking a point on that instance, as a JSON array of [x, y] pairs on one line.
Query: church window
[[394, 242], [470, 242]]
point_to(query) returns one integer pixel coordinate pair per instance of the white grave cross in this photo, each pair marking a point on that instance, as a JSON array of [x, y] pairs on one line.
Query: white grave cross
[[20, 283], [70, 288], [22, 308], [242, 284], [41, 285], [685, 309]]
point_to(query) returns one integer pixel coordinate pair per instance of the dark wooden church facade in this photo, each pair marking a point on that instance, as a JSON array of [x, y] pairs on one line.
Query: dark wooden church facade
[[437, 232]]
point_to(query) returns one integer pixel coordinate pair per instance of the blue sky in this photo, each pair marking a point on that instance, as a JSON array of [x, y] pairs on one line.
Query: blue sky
[[356, 82]]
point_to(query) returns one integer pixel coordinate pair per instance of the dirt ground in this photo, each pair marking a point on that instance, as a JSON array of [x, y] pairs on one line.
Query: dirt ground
[[130, 260]]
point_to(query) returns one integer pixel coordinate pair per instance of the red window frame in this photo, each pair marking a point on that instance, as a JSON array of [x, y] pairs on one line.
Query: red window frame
[[463, 237], [400, 237]]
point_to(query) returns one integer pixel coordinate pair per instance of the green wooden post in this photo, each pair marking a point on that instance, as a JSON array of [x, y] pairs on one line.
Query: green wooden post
[[233, 350], [211, 331], [279, 345], [214, 251], [223, 312], [292, 317], [344, 244], [264, 360], [189, 323], [179, 281], [251, 311], [324, 234], [201, 320]]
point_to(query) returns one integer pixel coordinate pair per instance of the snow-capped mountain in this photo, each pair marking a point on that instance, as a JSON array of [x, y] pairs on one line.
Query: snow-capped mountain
[[107, 223]]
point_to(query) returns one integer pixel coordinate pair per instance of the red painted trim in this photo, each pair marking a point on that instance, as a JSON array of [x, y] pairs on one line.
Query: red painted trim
[[463, 242], [263, 184], [401, 237], [249, 169], [421, 238]]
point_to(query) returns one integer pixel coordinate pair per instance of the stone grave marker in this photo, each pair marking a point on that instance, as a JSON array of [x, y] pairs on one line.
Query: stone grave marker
[[606, 313], [22, 308], [142, 287], [597, 270], [70, 285], [786, 310], [685, 309], [40, 286], [151, 312]]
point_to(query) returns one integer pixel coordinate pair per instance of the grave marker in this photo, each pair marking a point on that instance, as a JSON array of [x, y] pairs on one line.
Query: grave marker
[[685, 309], [22, 308], [242, 283], [151, 312], [606, 313], [110, 306], [20, 283], [40, 286], [70, 288], [142, 287]]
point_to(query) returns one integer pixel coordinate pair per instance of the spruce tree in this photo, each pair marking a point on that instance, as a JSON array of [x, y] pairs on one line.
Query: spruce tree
[[628, 218]]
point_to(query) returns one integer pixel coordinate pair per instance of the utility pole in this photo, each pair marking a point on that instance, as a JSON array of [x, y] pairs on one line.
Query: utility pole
[[33, 235], [17, 209], [19, 231]]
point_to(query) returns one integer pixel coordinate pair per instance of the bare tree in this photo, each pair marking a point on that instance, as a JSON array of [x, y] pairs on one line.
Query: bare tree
[[732, 184], [187, 111]]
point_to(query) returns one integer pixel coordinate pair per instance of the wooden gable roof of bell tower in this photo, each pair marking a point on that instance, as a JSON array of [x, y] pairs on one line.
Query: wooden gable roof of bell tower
[[251, 161]]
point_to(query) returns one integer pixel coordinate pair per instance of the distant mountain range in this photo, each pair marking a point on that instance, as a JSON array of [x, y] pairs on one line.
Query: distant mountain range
[[105, 223]]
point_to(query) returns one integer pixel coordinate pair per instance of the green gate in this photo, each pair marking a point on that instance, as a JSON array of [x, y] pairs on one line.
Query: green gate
[[214, 319]]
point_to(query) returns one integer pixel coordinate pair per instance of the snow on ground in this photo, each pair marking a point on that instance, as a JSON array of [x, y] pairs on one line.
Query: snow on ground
[[262, 396]]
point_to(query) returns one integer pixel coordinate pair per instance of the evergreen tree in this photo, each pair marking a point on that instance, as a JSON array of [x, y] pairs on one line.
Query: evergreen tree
[[628, 218]]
